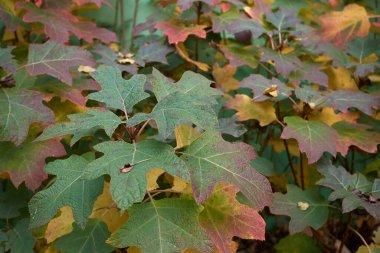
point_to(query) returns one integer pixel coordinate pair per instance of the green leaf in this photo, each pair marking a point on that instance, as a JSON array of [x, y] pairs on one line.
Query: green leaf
[[355, 190], [176, 109], [166, 226], [305, 208], [19, 109], [192, 84], [313, 137], [91, 239], [223, 217], [12, 200], [55, 59], [20, 239], [7, 59], [297, 243], [129, 186], [210, 159], [68, 189], [83, 124], [118, 93]]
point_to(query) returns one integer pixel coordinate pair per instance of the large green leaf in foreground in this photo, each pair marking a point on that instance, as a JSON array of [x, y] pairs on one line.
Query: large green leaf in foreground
[[165, 226], [83, 124], [118, 93], [68, 189], [211, 159], [127, 164]]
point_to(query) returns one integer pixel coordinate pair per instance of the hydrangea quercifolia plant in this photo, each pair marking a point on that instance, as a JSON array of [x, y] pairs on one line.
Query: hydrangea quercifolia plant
[[218, 122]]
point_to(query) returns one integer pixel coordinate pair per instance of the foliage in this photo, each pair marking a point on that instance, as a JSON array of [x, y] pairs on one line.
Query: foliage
[[220, 120]]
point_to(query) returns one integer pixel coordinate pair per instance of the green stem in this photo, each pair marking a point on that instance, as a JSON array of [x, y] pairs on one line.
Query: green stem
[[135, 11], [122, 24]]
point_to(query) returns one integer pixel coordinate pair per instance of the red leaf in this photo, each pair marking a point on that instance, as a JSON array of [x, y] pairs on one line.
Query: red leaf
[[26, 162], [179, 33], [223, 217], [59, 24]]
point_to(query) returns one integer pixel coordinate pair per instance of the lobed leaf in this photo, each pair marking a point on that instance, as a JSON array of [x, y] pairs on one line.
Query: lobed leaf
[[210, 159], [68, 189], [305, 208], [169, 225], [55, 60], [138, 158]]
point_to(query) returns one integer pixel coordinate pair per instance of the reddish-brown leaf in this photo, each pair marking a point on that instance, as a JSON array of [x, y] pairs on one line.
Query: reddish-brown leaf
[[223, 217], [178, 33], [25, 163]]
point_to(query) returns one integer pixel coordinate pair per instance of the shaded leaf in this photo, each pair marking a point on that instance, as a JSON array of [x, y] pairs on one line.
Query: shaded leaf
[[305, 208], [25, 163], [170, 225], [224, 217], [12, 200], [68, 189], [55, 60], [18, 110], [118, 93], [313, 137], [130, 187], [20, 238], [229, 126], [297, 243], [83, 124], [239, 55], [284, 63], [178, 32], [264, 89], [353, 189], [247, 109], [154, 52], [210, 159], [7, 59], [357, 135], [91, 239]]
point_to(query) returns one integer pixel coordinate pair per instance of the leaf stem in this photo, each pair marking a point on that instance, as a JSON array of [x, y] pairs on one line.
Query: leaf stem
[[135, 12], [122, 24], [196, 52], [345, 234], [142, 129], [302, 175], [290, 162], [361, 238], [115, 17]]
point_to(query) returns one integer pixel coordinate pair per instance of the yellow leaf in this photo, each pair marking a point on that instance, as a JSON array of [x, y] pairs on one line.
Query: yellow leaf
[[246, 109], [152, 176], [185, 55], [105, 209], [340, 27], [179, 185], [224, 77], [185, 135], [133, 249], [50, 249], [278, 146], [340, 79], [329, 117], [60, 225]]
